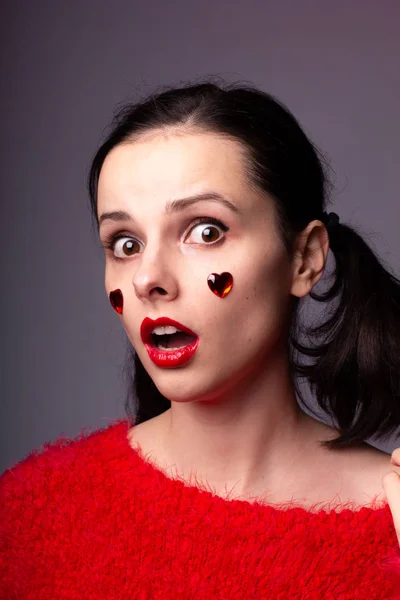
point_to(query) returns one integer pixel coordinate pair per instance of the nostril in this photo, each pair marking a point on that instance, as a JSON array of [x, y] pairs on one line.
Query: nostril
[[161, 291]]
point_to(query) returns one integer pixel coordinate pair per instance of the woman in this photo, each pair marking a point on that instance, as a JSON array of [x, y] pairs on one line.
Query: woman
[[210, 203]]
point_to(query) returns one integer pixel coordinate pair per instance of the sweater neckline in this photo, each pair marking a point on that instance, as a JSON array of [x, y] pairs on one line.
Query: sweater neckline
[[138, 459]]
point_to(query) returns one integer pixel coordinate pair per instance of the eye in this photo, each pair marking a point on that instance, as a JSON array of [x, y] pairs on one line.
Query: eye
[[206, 230], [125, 249]]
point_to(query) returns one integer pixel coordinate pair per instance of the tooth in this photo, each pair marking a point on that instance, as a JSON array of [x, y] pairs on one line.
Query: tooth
[[162, 330], [170, 329], [159, 330]]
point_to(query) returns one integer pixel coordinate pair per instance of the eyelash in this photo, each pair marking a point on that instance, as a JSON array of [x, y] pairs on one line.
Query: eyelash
[[112, 239]]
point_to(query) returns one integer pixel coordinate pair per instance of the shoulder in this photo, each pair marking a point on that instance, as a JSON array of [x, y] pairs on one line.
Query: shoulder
[[52, 501], [348, 474], [380, 464], [53, 493], [363, 469], [49, 468]]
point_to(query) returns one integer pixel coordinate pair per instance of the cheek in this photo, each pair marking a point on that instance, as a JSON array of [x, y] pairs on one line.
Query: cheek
[[118, 279], [112, 278], [110, 282], [259, 310]]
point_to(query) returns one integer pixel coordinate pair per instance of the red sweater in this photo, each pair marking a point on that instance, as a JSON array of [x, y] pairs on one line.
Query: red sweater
[[91, 518]]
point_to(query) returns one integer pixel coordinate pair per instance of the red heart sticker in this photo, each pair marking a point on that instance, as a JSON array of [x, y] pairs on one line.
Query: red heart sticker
[[220, 284], [117, 301]]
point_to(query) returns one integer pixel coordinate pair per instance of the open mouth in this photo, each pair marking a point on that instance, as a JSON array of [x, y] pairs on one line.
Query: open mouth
[[169, 344], [166, 334], [171, 341]]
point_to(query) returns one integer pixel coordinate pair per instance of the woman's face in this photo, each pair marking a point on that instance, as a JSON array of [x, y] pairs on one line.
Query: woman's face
[[162, 261]]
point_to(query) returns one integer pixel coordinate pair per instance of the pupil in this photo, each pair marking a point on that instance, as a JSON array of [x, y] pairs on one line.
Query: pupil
[[207, 236], [129, 246]]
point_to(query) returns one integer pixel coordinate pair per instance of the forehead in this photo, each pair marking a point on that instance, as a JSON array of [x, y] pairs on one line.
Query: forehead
[[171, 165]]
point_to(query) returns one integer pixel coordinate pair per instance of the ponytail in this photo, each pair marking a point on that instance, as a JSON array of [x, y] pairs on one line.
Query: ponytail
[[355, 377]]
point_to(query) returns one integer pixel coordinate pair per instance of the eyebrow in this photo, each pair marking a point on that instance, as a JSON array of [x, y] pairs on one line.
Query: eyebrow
[[174, 206]]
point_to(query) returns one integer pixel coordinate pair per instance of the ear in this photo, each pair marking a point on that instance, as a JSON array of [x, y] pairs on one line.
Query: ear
[[309, 258]]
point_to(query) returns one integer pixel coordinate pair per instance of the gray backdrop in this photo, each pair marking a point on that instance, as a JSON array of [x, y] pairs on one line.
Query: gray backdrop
[[65, 67]]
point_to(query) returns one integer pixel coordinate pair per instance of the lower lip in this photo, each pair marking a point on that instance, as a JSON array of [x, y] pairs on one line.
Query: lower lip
[[168, 359]]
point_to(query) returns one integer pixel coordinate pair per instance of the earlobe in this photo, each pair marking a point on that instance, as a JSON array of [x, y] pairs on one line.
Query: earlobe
[[302, 281], [307, 275]]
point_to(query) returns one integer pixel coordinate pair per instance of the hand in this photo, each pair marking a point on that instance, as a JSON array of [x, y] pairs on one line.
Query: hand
[[391, 486]]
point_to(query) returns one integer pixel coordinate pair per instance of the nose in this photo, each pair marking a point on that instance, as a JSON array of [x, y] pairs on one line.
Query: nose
[[154, 277]]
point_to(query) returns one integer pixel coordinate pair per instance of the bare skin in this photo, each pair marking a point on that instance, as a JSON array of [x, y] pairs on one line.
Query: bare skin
[[317, 477]]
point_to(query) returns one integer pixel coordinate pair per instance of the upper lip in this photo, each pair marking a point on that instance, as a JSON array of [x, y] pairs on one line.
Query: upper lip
[[148, 326]]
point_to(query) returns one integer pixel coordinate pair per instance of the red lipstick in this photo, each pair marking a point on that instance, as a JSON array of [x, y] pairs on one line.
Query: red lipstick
[[166, 358]]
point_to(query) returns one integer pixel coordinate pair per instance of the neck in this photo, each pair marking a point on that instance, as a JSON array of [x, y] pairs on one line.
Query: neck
[[250, 438]]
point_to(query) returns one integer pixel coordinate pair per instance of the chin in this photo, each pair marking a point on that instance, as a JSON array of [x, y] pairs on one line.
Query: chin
[[182, 392]]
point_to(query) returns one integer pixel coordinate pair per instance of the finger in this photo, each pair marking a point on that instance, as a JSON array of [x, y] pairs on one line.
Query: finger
[[391, 486], [395, 457]]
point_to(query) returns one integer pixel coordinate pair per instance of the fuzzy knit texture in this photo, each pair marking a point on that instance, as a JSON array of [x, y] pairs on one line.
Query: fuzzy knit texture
[[92, 518]]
